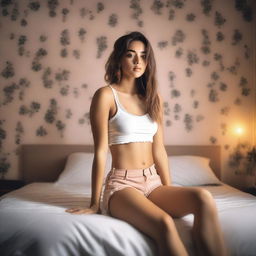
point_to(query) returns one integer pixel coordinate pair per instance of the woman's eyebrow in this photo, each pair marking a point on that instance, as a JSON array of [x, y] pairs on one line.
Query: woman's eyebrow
[[130, 50]]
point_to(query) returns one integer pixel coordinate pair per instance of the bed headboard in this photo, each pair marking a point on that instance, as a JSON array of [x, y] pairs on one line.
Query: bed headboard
[[44, 162]]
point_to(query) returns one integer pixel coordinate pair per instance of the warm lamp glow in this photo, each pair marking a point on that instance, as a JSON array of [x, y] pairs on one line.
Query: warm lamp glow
[[239, 130]]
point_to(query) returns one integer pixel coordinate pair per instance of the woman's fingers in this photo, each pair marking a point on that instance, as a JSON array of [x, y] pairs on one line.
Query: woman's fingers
[[80, 211]]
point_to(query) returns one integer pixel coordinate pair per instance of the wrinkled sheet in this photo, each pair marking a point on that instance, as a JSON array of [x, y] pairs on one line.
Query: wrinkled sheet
[[33, 221]]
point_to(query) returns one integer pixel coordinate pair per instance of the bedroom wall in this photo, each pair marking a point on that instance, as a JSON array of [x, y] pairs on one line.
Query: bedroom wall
[[52, 61]]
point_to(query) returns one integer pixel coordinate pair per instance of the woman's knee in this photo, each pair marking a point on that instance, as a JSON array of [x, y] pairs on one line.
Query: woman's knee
[[203, 199]]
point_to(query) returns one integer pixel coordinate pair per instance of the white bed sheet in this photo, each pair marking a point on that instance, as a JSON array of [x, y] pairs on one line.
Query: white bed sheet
[[33, 221]]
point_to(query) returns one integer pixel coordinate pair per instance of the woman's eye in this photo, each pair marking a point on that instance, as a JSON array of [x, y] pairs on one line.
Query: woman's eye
[[129, 55], [143, 56]]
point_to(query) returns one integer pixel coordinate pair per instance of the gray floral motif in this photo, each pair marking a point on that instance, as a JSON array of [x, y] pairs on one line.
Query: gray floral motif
[[238, 101], [179, 4], [100, 7], [205, 48], [47, 82], [61, 127], [3, 134], [76, 54], [8, 71], [178, 37], [171, 14], [84, 12], [19, 133], [41, 131], [76, 92], [233, 69], [162, 44], [34, 6], [33, 108], [246, 51], [157, 6], [199, 118], [223, 86], [85, 119], [213, 140], [113, 20], [245, 90], [190, 17], [81, 33], [188, 120], [65, 12], [177, 108], [15, 12], [192, 57], [84, 86], [179, 52], [188, 72], [4, 165], [62, 75], [225, 111], [220, 36], [245, 8], [23, 23], [64, 53], [215, 76], [206, 63], [206, 6], [65, 38], [42, 38], [237, 37], [213, 96], [137, 11], [64, 90], [166, 108], [168, 123], [195, 104], [8, 93], [175, 93], [219, 19], [69, 113], [223, 127], [172, 78], [51, 113], [52, 5], [102, 45], [219, 58]]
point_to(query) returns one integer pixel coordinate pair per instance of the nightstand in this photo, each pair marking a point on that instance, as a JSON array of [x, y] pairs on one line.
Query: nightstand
[[9, 185], [251, 190]]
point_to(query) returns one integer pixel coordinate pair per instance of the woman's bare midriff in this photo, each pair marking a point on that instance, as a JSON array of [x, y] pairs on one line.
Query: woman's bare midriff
[[135, 155]]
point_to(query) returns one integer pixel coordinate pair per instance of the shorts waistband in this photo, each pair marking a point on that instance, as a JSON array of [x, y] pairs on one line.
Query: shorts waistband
[[135, 172]]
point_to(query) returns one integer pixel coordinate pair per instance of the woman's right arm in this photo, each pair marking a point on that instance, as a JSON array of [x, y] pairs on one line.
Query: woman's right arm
[[99, 115]]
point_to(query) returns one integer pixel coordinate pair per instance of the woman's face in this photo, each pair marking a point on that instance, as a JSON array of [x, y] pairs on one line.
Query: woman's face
[[133, 63]]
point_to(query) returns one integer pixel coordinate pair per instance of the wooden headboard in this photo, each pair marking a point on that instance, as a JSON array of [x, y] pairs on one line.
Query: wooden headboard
[[44, 162]]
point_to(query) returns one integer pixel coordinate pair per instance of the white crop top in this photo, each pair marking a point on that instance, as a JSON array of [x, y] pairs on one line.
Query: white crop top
[[125, 127]]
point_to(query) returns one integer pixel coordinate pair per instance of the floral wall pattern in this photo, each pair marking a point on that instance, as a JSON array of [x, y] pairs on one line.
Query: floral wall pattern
[[53, 55]]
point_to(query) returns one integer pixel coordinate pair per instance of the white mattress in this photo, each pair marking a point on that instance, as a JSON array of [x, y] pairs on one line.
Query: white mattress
[[33, 221]]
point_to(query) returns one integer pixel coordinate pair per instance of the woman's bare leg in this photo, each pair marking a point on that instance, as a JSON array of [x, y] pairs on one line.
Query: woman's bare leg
[[133, 207], [180, 201]]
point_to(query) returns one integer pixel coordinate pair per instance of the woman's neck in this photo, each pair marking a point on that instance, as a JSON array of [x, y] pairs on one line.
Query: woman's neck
[[128, 86]]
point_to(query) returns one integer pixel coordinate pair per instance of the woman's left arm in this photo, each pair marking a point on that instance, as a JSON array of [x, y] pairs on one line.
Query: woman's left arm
[[159, 151]]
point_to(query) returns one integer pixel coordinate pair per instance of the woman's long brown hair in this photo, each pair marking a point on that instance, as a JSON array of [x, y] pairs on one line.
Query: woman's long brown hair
[[146, 84]]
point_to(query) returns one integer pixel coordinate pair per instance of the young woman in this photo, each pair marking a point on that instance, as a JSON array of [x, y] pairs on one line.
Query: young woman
[[127, 116]]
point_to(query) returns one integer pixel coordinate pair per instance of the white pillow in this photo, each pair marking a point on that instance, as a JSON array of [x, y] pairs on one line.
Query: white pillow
[[191, 171], [78, 169]]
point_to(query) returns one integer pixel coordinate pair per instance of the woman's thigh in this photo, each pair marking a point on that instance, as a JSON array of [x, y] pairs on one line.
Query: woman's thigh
[[133, 207], [180, 201]]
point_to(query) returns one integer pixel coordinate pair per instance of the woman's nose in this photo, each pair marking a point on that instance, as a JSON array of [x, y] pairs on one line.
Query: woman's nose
[[136, 59]]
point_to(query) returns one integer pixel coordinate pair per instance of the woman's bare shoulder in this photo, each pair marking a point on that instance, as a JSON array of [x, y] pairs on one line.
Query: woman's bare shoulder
[[103, 93]]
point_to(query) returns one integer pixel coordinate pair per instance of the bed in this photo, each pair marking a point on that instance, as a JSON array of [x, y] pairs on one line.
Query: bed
[[33, 220]]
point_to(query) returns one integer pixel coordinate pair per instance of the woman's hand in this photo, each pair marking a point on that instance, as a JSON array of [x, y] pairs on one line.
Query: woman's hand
[[90, 210]]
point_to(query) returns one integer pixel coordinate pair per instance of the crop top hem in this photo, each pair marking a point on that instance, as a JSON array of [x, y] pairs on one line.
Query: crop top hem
[[118, 143]]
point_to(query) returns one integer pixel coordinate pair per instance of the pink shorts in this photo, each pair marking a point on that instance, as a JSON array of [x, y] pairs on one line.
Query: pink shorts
[[143, 180]]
